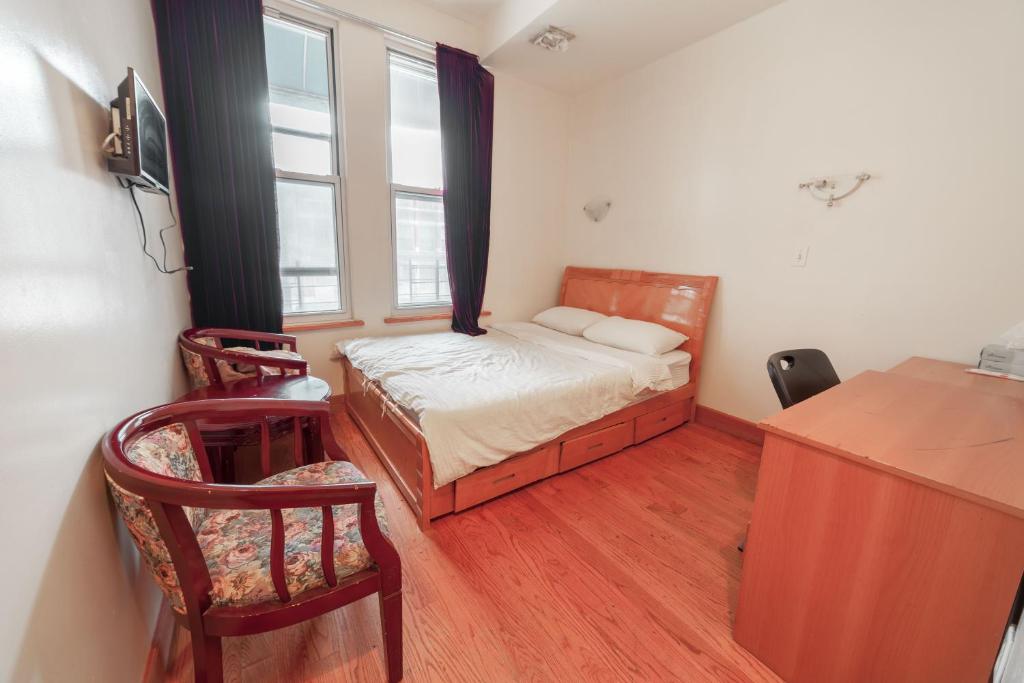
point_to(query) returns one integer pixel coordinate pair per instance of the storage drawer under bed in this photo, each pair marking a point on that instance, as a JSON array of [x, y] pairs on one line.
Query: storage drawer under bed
[[584, 449], [662, 420], [506, 476]]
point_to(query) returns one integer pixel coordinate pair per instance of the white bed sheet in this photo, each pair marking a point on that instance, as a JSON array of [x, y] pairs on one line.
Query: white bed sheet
[[680, 370], [648, 371], [480, 400]]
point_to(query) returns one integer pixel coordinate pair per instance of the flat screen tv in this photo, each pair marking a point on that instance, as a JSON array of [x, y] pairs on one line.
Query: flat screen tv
[[140, 137]]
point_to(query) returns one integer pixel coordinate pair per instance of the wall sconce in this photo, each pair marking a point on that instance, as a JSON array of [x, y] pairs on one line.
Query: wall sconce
[[829, 188], [597, 209]]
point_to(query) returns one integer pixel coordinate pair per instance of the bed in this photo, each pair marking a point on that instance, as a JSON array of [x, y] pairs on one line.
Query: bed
[[523, 403]]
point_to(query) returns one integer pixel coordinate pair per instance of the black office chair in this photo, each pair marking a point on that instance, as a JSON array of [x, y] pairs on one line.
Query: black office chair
[[799, 374]]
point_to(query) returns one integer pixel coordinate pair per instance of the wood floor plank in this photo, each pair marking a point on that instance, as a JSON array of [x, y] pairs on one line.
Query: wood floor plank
[[568, 595], [621, 570]]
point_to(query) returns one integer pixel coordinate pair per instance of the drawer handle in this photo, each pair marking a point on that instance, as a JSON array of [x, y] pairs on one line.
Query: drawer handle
[[595, 445], [505, 478], [663, 419]]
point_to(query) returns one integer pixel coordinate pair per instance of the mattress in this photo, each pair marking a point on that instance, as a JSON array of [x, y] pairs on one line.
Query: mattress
[[480, 400]]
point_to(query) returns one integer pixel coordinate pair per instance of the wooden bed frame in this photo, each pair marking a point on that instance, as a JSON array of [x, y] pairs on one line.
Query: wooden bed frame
[[680, 302]]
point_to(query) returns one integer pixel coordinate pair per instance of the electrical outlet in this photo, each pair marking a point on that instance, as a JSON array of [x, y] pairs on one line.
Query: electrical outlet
[[800, 257]]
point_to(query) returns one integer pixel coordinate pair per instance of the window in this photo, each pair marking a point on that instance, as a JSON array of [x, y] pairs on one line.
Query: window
[[300, 70], [421, 266]]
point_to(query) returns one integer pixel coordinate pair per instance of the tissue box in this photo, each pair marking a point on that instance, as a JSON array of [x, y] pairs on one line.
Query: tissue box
[[998, 358]]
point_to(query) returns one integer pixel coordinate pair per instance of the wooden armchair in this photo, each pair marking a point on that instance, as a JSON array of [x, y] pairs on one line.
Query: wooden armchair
[[208, 363], [240, 559]]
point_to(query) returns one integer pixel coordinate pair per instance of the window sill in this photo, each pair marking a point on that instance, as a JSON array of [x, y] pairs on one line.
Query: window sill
[[322, 325], [401, 319]]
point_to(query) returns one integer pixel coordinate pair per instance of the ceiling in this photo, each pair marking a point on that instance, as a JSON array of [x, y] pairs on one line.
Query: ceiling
[[472, 11], [613, 37]]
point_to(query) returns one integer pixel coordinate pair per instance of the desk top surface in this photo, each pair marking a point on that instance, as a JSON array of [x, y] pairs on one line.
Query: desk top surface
[[954, 373], [924, 420]]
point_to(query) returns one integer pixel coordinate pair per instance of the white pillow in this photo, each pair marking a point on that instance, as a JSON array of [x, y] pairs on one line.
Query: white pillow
[[634, 335], [568, 319]]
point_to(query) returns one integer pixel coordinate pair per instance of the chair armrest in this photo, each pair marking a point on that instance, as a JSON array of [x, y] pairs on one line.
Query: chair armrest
[[253, 359], [222, 333], [171, 491], [260, 497]]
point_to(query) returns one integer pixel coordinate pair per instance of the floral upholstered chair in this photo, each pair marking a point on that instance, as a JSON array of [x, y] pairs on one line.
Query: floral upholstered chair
[[241, 559], [208, 362]]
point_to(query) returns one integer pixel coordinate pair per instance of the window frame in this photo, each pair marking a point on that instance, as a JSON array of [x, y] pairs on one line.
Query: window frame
[[394, 189], [284, 12]]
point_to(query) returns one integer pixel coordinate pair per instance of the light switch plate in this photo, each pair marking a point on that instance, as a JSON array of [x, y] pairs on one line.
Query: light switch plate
[[800, 257]]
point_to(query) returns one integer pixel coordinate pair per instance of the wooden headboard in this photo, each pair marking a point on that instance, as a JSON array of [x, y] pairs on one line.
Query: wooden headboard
[[679, 302]]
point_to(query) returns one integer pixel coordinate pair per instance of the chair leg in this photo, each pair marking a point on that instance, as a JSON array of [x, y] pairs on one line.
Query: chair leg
[[206, 659], [227, 455], [312, 444], [214, 458], [391, 626]]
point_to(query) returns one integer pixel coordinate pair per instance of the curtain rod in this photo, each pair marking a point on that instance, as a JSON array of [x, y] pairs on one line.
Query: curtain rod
[[327, 9]]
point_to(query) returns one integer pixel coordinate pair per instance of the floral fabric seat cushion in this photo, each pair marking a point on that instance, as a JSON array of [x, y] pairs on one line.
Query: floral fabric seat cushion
[[236, 543]]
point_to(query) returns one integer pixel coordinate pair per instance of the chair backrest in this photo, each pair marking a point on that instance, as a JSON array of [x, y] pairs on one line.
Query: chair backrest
[[195, 367], [208, 362], [166, 442], [166, 451], [799, 374], [197, 363]]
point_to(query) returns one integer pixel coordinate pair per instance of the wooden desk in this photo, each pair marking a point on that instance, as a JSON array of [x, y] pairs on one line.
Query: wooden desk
[[887, 540], [953, 373]]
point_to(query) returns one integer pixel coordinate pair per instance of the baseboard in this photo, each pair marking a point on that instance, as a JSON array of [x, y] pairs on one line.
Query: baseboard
[[730, 424], [162, 646]]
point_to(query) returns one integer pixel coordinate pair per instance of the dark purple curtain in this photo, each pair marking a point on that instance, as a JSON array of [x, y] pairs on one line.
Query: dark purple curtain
[[214, 72], [466, 91]]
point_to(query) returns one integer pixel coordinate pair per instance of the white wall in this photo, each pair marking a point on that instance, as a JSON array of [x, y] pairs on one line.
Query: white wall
[[88, 330], [529, 167], [702, 152]]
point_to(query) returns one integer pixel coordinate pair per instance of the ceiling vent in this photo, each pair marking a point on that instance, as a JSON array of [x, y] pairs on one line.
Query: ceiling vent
[[554, 39]]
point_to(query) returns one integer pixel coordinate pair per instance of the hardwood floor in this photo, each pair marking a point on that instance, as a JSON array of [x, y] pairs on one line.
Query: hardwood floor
[[625, 569]]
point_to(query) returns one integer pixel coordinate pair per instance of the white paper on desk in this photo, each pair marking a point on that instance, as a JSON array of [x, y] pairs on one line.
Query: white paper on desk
[[1013, 338], [991, 373]]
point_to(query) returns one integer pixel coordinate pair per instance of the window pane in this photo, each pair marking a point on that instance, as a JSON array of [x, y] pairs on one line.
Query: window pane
[[302, 154], [300, 73], [415, 123], [420, 258], [291, 112], [310, 277], [298, 70]]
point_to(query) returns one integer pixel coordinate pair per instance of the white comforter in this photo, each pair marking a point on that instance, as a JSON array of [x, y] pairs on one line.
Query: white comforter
[[480, 400]]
